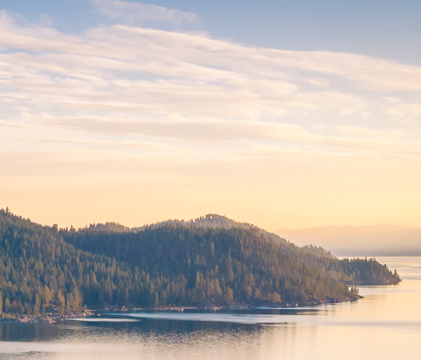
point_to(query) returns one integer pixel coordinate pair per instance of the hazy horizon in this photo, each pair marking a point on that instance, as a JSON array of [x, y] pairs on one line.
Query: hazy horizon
[[374, 240]]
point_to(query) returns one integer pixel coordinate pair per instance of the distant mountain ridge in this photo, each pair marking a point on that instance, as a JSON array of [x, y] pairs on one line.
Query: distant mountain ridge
[[375, 240]]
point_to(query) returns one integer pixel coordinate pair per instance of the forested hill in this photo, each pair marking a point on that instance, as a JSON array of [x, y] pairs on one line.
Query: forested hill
[[44, 268]]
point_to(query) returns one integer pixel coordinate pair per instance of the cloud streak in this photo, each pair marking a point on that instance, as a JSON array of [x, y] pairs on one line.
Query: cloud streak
[[139, 13]]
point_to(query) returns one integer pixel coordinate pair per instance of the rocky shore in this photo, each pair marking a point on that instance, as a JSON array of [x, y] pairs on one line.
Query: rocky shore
[[49, 318]]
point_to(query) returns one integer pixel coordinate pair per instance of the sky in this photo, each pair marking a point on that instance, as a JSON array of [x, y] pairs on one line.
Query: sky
[[283, 114]]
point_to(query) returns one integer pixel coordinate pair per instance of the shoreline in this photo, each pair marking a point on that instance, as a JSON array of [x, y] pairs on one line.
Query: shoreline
[[54, 318]]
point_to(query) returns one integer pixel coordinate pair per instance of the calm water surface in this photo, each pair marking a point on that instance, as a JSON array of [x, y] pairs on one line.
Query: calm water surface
[[386, 324]]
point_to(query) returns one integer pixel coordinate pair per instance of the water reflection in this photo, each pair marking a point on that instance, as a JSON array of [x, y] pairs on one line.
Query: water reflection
[[386, 324]]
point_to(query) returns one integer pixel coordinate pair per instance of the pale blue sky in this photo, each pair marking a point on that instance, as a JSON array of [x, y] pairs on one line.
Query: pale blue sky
[[382, 28]]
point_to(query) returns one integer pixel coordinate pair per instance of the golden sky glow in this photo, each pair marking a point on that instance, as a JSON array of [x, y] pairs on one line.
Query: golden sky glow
[[137, 125]]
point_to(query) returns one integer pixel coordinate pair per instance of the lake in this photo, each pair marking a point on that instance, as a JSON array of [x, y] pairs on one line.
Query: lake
[[386, 324]]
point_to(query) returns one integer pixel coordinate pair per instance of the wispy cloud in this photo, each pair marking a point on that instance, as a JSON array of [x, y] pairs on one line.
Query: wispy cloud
[[117, 81], [139, 13]]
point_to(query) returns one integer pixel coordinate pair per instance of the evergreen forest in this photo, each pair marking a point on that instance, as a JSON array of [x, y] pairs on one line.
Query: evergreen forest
[[45, 268]]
